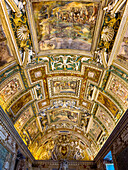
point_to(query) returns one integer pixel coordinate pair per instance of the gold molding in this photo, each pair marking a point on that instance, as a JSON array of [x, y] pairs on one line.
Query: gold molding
[[13, 5]]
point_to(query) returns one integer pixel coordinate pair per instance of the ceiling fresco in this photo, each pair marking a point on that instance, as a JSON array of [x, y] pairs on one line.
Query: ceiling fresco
[[63, 77], [62, 24]]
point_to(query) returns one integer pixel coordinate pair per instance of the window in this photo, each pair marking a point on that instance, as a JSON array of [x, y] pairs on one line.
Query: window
[[108, 161]]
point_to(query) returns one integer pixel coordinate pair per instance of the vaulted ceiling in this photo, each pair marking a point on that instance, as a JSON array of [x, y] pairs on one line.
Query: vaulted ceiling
[[64, 73]]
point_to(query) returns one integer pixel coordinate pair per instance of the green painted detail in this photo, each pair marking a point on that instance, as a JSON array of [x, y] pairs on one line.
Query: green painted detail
[[15, 118], [38, 60], [65, 62]]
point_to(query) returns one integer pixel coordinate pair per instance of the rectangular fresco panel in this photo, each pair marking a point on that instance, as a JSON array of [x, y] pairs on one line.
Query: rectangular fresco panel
[[109, 104], [95, 130], [64, 86], [119, 88], [105, 118], [32, 130], [24, 117], [65, 24], [21, 102], [63, 115]]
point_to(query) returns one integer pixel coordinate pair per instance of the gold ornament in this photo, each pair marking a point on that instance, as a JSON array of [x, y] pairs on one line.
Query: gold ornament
[[107, 34]]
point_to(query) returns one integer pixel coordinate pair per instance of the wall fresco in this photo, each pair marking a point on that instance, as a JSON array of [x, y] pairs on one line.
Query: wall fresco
[[39, 91], [118, 88], [21, 102], [32, 129], [64, 87], [76, 19], [109, 104], [63, 103], [12, 88], [62, 147], [23, 118], [105, 118]]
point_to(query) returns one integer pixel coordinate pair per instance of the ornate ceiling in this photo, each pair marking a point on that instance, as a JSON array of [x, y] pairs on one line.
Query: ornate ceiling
[[64, 73]]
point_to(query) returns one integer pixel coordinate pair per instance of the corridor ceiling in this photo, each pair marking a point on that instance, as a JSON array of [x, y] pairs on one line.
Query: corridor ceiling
[[64, 73]]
